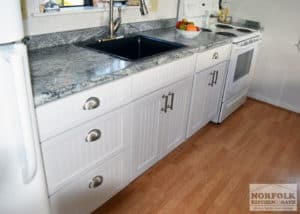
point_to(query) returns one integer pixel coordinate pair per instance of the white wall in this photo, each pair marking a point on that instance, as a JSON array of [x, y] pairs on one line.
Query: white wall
[[277, 72], [46, 24]]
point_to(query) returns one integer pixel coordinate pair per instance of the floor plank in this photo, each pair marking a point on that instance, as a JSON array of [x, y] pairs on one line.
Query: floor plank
[[211, 172]]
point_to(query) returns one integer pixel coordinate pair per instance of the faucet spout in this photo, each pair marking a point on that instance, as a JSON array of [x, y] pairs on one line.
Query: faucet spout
[[114, 25]]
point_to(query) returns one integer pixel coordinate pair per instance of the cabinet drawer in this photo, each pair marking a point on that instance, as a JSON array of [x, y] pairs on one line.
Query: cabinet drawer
[[161, 76], [74, 151], [212, 57], [89, 191], [63, 114]]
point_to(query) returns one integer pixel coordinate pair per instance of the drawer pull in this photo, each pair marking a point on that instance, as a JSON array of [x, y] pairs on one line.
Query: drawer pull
[[93, 135], [96, 182], [91, 103], [216, 55]]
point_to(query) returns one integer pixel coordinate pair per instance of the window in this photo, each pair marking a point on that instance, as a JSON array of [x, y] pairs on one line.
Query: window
[[74, 3]]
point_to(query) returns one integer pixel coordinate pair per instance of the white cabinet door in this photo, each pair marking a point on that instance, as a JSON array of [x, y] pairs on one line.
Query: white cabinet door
[[159, 124], [197, 117], [206, 96], [173, 123], [145, 127], [215, 92]]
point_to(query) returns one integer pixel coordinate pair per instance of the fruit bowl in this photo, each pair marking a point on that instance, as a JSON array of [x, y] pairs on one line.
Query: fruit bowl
[[187, 29], [188, 34]]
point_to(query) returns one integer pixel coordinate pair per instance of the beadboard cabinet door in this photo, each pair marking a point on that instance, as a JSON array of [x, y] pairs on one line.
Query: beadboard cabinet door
[[159, 124], [173, 123], [215, 92], [206, 97], [145, 128]]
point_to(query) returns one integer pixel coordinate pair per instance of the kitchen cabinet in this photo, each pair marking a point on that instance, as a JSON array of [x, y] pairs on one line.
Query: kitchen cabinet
[[69, 154], [159, 124], [118, 130], [173, 123], [145, 127], [206, 96], [88, 191], [213, 57], [56, 117]]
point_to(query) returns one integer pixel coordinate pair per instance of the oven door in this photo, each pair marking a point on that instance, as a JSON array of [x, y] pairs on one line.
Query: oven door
[[240, 67]]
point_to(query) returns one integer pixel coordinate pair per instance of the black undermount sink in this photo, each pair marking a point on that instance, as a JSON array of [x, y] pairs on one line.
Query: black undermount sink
[[133, 48]]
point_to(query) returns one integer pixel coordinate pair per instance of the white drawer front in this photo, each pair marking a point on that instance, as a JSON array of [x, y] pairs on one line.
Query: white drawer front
[[161, 76], [69, 153], [63, 114], [86, 193], [213, 57]]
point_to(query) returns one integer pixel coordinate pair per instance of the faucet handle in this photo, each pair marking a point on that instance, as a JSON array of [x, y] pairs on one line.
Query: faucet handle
[[143, 8]]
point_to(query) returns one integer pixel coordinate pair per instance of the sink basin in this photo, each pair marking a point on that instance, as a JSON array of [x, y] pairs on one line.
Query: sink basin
[[134, 48]]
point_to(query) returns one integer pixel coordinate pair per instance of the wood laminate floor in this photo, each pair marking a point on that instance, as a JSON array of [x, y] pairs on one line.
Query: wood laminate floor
[[211, 172]]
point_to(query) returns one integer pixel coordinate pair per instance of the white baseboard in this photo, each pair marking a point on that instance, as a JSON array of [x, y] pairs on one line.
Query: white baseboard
[[275, 103]]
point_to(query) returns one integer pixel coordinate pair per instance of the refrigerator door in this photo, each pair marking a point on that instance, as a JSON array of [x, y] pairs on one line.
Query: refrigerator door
[[10, 21], [22, 183]]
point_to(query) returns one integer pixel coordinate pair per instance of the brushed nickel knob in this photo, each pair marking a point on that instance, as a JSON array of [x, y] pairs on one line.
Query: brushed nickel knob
[[216, 55], [93, 135], [91, 103], [96, 182]]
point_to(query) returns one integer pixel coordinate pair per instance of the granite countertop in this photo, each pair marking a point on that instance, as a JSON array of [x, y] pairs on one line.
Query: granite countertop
[[60, 71]]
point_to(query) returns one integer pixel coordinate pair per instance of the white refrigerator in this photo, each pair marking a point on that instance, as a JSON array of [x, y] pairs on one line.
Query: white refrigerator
[[22, 181]]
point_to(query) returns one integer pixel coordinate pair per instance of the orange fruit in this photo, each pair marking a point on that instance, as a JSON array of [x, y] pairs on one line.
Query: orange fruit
[[191, 27]]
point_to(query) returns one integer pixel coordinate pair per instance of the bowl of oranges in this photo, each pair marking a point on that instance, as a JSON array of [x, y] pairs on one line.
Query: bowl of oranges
[[187, 29]]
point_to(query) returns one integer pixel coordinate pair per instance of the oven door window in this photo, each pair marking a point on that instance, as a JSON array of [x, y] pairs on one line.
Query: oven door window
[[243, 65]]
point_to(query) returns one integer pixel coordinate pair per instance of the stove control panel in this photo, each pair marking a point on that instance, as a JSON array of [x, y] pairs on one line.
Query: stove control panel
[[248, 41]]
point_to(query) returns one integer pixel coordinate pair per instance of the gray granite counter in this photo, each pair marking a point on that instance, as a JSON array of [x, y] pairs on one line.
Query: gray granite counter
[[64, 70]]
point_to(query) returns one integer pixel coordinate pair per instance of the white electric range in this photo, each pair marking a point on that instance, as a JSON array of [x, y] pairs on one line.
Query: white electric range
[[243, 55]]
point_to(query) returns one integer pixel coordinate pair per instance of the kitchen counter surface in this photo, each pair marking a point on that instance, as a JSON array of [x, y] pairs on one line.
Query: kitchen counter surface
[[60, 71]]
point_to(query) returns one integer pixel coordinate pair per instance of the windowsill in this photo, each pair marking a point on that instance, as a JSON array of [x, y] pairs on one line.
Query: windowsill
[[78, 10]]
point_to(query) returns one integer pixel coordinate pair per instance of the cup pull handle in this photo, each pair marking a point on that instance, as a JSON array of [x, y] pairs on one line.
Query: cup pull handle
[[91, 103], [96, 182], [216, 55], [93, 135]]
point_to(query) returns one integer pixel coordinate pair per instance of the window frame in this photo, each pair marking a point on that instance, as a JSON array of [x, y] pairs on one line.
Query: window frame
[[86, 3]]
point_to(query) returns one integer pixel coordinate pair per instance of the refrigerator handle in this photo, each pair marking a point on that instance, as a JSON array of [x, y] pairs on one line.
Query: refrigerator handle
[[26, 115]]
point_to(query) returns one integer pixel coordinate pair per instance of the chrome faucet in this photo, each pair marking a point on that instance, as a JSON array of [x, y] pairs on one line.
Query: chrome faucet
[[143, 8], [113, 25]]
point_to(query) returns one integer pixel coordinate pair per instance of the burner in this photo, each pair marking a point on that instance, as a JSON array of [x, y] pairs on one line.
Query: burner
[[206, 30], [243, 30], [226, 34], [224, 26]]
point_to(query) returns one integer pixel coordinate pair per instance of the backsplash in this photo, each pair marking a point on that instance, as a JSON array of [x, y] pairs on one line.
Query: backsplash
[[69, 37]]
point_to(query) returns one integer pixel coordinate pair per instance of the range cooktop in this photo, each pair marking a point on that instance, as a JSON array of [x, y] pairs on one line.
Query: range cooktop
[[235, 32], [226, 34], [224, 26]]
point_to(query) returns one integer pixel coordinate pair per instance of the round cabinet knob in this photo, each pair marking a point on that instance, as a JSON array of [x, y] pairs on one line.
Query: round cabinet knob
[[96, 182], [91, 103], [93, 135], [216, 55]]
